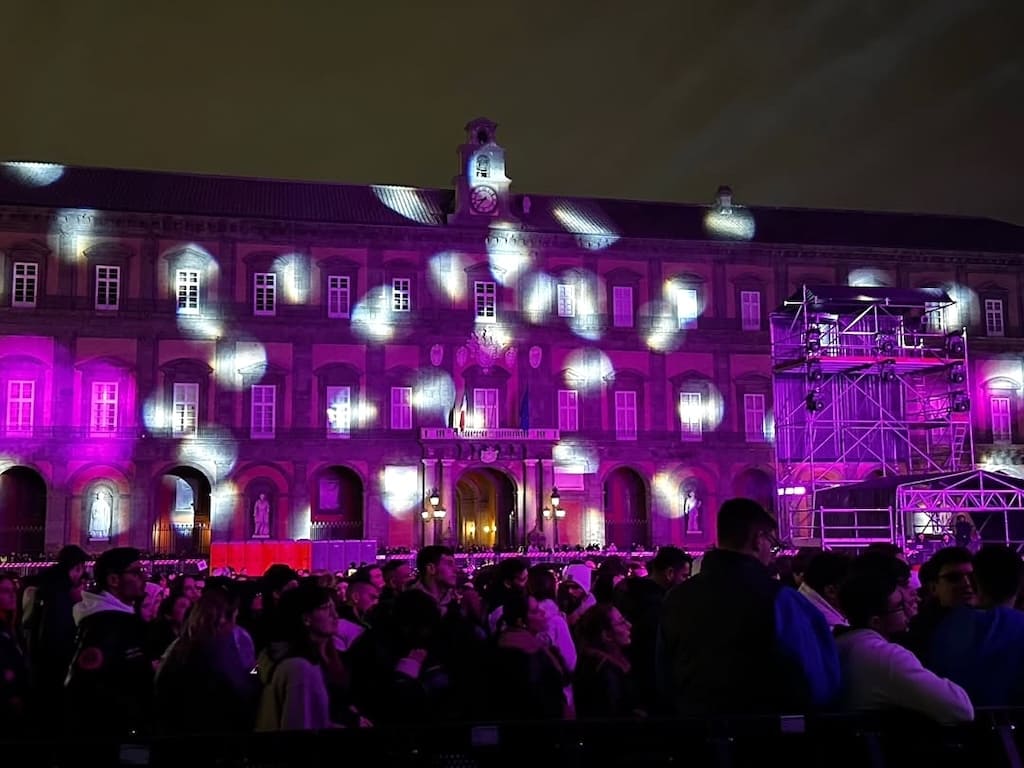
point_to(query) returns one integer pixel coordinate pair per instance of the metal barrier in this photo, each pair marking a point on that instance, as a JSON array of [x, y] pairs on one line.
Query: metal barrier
[[875, 740]]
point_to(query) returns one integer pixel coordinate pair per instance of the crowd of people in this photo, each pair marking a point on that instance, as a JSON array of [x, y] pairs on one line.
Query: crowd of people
[[118, 652]]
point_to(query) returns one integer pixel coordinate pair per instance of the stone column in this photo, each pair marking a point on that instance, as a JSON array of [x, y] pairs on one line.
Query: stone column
[[531, 497], [430, 480], [446, 487], [547, 482], [300, 504]]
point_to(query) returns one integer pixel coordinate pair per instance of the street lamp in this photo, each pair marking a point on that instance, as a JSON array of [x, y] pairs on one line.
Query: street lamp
[[435, 512], [555, 513]]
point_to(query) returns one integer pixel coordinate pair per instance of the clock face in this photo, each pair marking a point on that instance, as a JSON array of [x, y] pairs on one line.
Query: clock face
[[483, 200]]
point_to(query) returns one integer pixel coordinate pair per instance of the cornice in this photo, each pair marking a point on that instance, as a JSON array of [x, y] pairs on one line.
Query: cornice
[[41, 221]]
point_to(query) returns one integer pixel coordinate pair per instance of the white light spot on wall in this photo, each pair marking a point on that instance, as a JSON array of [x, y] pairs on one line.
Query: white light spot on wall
[[34, 174], [734, 223], [587, 369], [664, 334], [447, 273], [247, 354], [410, 203], [372, 317], [400, 489], [583, 218], [867, 277]]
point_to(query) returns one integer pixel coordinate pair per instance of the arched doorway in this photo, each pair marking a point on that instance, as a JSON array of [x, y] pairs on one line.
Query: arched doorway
[[22, 512], [182, 513], [485, 510], [625, 509], [756, 484], [336, 505]]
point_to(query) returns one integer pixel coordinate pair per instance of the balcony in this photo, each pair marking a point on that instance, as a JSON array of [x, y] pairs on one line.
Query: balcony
[[448, 433]]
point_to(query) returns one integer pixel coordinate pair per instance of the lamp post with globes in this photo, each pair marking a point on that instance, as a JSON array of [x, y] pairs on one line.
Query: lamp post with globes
[[433, 511], [554, 513]]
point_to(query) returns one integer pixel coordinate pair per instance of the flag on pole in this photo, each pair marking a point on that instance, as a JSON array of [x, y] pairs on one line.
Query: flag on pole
[[462, 412], [524, 410]]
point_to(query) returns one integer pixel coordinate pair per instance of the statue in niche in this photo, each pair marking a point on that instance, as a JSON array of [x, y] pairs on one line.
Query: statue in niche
[[691, 511], [100, 515], [261, 517]]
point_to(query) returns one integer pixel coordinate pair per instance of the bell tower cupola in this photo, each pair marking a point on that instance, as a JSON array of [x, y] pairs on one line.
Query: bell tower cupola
[[482, 190]]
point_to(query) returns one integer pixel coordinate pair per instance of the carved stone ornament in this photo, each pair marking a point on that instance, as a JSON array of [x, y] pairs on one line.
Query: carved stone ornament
[[461, 356], [536, 353], [510, 357], [488, 455], [436, 355]]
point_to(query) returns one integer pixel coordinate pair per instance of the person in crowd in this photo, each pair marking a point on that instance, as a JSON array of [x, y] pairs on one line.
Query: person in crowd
[[822, 577], [880, 674], [947, 580], [735, 640], [982, 648], [15, 691], [110, 680], [603, 686], [203, 683]]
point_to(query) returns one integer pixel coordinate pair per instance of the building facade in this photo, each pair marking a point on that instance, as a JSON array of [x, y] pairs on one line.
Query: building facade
[[186, 357]]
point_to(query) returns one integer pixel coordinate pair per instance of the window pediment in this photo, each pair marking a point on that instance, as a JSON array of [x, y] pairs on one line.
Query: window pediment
[[105, 363], [108, 252]]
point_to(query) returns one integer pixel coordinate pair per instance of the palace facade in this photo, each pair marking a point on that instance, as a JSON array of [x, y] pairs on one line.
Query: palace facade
[[185, 357]]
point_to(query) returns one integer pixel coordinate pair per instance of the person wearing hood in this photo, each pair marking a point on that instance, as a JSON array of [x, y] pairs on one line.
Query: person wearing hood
[[110, 682]]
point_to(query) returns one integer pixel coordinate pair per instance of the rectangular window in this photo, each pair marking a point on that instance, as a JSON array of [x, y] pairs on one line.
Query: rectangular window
[[994, 317], [687, 307], [108, 287], [264, 406], [338, 298], [568, 410], [185, 409], [21, 396], [485, 409], [339, 411], [625, 415], [186, 288], [691, 415], [401, 294], [103, 408], [566, 300], [486, 298], [622, 306], [750, 310], [264, 295], [401, 407], [25, 284], [753, 418], [1002, 428]]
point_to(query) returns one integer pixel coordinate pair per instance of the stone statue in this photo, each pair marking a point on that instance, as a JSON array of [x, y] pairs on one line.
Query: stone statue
[[100, 514], [261, 518], [691, 511]]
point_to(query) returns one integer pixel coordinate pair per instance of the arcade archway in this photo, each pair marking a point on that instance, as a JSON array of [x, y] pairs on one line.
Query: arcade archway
[[182, 513], [22, 511], [336, 505], [625, 509], [485, 510]]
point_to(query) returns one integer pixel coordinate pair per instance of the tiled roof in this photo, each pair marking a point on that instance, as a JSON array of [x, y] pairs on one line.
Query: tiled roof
[[193, 194]]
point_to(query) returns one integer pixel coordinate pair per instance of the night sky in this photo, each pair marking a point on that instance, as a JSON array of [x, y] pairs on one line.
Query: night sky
[[879, 104]]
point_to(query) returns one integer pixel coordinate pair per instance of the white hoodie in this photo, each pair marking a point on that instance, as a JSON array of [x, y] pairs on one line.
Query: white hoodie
[[98, 602]]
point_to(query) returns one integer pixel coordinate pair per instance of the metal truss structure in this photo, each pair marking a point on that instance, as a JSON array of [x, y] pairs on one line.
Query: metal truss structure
[[867, 382]]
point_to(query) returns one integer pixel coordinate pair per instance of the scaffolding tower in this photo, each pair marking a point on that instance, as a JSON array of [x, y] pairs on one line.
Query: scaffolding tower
[[868, 382]]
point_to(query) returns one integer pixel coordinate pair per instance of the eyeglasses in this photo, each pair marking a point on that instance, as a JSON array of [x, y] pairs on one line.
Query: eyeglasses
[[774, 545]]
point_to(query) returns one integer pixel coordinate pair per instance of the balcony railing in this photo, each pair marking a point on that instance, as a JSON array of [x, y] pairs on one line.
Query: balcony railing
[[182, 540], [335, 530], [447, 433]]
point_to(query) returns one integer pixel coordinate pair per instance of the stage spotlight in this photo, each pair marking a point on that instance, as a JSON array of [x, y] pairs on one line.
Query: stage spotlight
[[955, 344], [887, 371], [812, 340], [957, 374], [961, 403], [885, 344], [813, 402], [814, 372]]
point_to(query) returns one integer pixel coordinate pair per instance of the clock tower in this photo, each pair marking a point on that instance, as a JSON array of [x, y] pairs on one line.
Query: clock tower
[[482, 190]]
